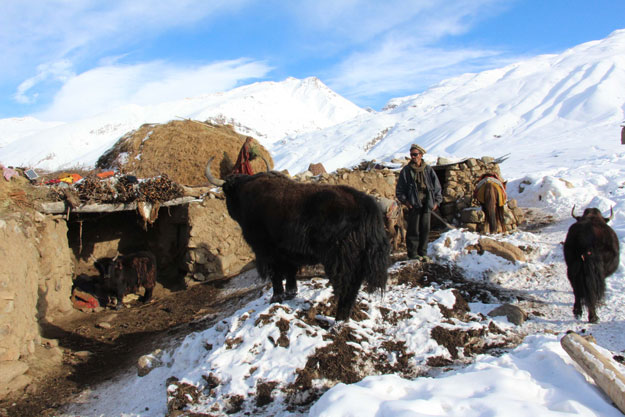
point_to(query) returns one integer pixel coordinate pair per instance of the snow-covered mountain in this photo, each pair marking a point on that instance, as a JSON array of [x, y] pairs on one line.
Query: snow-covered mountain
[[19, 127], [547, 103], [268, 111]]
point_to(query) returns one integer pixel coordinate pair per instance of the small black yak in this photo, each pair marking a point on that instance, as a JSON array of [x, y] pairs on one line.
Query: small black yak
[[124, 274], [290, 224], [591, 253]]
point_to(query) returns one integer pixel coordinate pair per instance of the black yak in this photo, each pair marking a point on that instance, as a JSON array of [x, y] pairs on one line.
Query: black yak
[[124, 274], [490, 191], [591, 253], [290, 224]]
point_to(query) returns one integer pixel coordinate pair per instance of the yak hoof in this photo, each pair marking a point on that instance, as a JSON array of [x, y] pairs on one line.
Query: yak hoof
[[593, 319], [277, 298], [290, 294], [577, 313]]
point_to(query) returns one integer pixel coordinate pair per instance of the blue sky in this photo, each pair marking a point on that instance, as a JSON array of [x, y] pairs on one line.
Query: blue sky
[[65, 60]]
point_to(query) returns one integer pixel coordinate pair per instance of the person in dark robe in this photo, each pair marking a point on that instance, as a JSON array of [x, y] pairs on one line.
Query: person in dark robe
[[242, 165], [419, 190]]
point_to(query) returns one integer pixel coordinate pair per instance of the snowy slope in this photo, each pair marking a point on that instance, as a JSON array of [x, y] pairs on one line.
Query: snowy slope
[[560, 104]]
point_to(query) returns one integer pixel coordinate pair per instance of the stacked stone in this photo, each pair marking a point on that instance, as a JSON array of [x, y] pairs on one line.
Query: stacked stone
[[459, 180]]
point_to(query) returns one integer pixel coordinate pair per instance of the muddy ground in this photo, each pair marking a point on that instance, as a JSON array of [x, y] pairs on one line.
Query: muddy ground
[[98, 345]]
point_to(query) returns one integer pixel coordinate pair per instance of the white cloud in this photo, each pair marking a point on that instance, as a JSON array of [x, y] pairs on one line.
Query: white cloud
[[397, 65], [395, 46], [359, 21], [108, 87], [35, 33], [373, 47], [58, 71]]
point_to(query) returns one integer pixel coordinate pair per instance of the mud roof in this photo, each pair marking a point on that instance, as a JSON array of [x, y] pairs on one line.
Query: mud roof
[[179, 149]]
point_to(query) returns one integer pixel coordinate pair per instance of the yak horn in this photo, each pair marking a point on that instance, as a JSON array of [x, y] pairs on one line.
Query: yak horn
[[266, 163], [611, 215], [207, 172], [573, 213]]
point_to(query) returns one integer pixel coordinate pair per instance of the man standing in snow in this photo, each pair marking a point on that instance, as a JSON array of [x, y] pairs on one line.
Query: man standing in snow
[[420, 191]]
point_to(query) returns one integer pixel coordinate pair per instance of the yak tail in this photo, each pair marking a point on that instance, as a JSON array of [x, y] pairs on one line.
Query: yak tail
[[589, 280], [377, 248], [593, 284], [490, 202]]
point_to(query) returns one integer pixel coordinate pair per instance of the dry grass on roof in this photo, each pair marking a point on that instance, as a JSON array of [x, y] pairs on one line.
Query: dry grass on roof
[[179, 149]]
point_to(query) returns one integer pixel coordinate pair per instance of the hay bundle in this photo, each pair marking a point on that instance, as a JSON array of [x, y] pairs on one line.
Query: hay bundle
[[179, 149]]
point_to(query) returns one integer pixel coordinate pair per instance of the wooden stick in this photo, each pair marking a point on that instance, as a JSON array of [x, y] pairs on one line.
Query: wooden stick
[[602, 371]]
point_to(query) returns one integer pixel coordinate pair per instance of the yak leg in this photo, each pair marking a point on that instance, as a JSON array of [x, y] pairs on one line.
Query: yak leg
[[592, 314], [346, 296], [577, 308], [147, 295], [277, 272], [119, 295]]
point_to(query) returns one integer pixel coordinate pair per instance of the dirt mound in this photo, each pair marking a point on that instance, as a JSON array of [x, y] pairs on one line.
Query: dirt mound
[[179, 149]]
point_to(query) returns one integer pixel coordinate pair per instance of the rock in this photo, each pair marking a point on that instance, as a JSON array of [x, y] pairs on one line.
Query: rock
[[10, 370], [317, 169], [513, 313], [472, 215], [443, 161], [104, 325], [504, 249], [146, 363], [83, 354]]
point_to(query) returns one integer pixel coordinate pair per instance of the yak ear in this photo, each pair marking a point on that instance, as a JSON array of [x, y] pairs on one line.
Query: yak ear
[[98, 266], [607, 219]]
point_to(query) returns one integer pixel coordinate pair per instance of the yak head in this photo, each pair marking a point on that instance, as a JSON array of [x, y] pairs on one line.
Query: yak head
[[592, 213], [220, 183]]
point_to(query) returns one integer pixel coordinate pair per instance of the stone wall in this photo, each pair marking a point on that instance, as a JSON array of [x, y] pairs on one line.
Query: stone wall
[[458, 181], [35, 284], [216, 248]]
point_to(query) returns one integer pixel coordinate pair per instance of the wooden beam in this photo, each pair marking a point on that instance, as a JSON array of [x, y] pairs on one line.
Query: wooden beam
[[600, 368], [59, 206]]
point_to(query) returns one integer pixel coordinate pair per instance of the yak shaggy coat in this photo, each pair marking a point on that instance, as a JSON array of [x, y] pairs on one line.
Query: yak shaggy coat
[[124, 274], [290, 224], [591, 253]]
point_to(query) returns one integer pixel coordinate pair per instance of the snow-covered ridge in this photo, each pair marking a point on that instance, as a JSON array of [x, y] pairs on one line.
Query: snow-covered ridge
[[266, 110], [555, 103]]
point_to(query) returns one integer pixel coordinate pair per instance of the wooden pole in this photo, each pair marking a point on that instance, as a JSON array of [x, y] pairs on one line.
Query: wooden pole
[[602, 371]]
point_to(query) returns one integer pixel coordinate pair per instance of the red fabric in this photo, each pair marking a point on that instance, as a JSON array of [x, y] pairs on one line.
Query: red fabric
[[242, 166], [81, 299], [105, 174]]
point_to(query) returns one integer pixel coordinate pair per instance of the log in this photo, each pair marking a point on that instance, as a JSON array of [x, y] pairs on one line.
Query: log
[[59, 206], [602, 371]]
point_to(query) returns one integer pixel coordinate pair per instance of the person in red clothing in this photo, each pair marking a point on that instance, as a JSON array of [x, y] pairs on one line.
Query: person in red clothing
[[242, 166]]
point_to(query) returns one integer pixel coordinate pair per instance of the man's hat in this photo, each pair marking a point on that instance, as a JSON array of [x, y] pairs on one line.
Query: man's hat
[[417, 147]]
